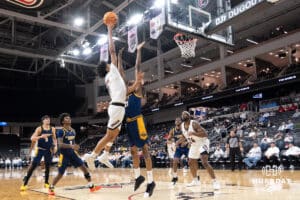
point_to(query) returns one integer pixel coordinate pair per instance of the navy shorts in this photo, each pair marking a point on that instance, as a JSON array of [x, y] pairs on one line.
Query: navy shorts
[[137, 134], [40, 153], [68, 158], [181, 151]]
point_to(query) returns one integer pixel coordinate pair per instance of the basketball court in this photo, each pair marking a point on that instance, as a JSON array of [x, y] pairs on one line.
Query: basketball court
[[189, 21], [117, 184]]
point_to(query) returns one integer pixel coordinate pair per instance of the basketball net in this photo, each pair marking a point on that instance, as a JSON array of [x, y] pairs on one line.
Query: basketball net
[[186, 44]]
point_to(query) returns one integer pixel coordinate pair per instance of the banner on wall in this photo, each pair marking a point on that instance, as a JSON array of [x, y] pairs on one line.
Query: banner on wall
[[132, 39], [156, 25], [104, 53]]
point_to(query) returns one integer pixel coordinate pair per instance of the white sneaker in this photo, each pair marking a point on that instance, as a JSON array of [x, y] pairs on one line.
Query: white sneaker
[[193, 183], [185, 170], [216, 185], [90, 161], [104, 159], [292, 167]]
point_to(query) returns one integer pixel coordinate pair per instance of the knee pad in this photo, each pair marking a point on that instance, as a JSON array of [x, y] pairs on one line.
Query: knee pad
[[87, 176]]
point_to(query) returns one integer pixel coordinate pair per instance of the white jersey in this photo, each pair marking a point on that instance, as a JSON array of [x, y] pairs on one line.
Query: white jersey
[[192, 138], [199, 145], [115, 85]]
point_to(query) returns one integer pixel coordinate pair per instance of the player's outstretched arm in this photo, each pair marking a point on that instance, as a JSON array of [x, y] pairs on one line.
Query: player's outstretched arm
[[138, 57], [112, 49], [120, 64]]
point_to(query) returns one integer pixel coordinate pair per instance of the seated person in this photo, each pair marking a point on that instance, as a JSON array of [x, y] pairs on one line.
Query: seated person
[[296, 114], [218, 154], [253, 156], [272, 155], [292, 154]]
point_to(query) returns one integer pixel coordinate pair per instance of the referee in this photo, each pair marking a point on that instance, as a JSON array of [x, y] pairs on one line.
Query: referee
[[234, 148]]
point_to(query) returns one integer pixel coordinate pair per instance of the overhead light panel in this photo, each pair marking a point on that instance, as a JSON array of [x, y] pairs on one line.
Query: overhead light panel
[[185, 65], [102, 40], [87, 51], [78, 21], [204, 58], [251, 41], [75, 52], [135, 19], [158, 4]]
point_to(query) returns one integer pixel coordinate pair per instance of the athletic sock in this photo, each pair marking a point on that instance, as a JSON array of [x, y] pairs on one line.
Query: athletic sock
[[150, 176], [137, 172], [195, 179]]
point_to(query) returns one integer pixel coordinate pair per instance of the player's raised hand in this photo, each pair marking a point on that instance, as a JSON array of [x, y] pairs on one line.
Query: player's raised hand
[[140, 46]]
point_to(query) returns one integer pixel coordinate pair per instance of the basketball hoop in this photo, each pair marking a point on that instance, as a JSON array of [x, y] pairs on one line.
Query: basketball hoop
[[187, 45]]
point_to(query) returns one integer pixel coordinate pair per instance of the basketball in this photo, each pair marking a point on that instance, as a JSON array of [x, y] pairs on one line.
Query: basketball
[[110, 18]]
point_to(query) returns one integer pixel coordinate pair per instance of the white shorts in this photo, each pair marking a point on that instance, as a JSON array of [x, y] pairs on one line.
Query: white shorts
[[116, 116], [171, 153], [198, 148]]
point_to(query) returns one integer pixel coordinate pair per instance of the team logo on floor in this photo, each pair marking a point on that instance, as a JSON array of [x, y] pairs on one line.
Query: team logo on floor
[[193, 195], [109, 185], [27, 3]]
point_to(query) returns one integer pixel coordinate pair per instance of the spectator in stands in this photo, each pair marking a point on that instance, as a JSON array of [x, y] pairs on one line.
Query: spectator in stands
[[126, 160], [253, 156], [282, 127], [262, 120], [265, 143], [7, 163], [279, 140], [239, 131], [272, 155], [2, 163], [288, 138], [252, 134], [281, 109], [218, 154], [243, 116], [234, 148], [296, 114], [292, 154], [289, 126]]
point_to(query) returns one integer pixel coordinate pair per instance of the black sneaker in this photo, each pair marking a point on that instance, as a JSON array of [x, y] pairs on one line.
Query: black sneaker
[[138, 182], [174, 180], [150, 189]]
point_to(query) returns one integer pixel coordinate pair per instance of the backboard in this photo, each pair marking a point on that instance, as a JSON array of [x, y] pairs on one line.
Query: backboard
[[193, 16]]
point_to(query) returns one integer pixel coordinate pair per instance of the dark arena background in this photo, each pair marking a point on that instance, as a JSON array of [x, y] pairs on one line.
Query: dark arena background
[[233, 65]]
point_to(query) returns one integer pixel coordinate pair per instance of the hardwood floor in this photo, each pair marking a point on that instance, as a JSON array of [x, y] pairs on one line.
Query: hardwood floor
[[118, 184]]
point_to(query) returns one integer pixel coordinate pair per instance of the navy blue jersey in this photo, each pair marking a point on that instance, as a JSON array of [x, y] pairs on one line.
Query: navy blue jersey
[[134, 107], [68, 137], [177, 134], [45, 143]]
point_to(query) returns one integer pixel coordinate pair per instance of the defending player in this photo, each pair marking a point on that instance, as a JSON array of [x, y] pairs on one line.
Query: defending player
[[68, 153], [45, 138]]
